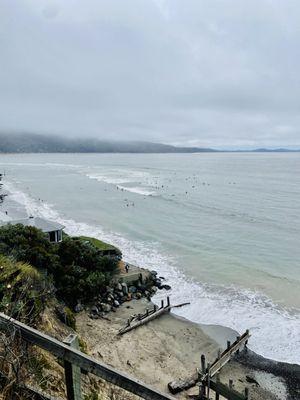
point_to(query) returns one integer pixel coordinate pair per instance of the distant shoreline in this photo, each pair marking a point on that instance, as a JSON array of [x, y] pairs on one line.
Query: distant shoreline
[[276, 151], [30, 143]]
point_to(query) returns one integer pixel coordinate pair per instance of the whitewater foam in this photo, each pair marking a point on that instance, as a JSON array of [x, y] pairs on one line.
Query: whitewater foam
[[137, 190], [120, 177], [274, 330]]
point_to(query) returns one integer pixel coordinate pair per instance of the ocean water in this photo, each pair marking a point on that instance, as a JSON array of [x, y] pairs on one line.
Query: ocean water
[[224, 229]]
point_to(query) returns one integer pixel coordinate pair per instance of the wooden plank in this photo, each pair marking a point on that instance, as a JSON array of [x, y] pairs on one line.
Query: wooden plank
[[227, 354], [144, 319], [225, 391], [82, 360]]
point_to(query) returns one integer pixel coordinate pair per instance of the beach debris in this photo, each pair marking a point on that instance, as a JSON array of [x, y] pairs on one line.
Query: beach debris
[[149, 315], [183, 384], [208, 371], [249, 379]]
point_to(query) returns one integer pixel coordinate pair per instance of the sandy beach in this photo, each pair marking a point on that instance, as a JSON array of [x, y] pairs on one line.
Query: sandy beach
[[167, 349]]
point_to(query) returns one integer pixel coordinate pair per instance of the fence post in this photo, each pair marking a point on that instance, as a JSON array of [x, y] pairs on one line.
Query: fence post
[[72, 372], [217, 396]]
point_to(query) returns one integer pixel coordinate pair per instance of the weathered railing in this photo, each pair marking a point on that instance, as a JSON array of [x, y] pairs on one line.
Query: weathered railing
[[74, 357]]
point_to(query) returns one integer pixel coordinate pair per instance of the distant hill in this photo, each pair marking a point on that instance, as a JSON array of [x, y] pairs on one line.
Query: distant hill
[[279, 150], [33, 143]]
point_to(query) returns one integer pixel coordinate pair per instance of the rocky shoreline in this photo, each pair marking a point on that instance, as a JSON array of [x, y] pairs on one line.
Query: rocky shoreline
[[119, 292]]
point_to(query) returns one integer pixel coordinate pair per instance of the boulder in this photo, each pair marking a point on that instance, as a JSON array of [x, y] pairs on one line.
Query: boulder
[[106, 307], [124, 288], [93, 316], [94, 310], [157, 282], [153, 289], [142, 288], [167, 287], [109, 290], [138, 295], [110, 298], [132, 289], [78, 307], [116, 303], [153, 273], [118, 287]]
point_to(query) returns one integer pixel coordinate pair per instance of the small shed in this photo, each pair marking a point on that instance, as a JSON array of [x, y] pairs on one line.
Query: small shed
[[52, 229]]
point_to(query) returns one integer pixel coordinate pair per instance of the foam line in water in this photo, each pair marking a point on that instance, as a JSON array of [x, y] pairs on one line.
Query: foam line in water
[[119, 177], [275, 331], [137, 190]]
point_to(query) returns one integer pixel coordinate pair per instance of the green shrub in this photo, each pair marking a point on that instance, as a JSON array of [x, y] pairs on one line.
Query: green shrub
[[70, 318], [28, 244], [78, 267], [83, 271]]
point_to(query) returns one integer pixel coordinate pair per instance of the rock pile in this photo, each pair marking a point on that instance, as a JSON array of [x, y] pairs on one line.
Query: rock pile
[[120, 292]]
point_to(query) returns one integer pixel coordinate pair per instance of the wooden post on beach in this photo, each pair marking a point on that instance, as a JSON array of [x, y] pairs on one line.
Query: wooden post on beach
[[238, 338], [228, 344], [72, 372], [245, 345], [203, 371], [168, 301], [162, 304], [208, 379], [246, 393]]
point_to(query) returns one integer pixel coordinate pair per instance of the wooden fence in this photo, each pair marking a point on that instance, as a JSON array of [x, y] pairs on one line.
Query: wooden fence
[[72, 356]]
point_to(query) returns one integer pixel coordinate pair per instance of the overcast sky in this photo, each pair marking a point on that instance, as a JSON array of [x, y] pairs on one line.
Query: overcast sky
[[190, 72]]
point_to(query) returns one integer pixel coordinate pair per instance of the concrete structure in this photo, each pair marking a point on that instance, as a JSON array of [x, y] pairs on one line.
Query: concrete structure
[[52, 229]]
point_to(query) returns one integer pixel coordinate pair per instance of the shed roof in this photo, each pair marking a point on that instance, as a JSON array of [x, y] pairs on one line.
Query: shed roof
[[39, 223]]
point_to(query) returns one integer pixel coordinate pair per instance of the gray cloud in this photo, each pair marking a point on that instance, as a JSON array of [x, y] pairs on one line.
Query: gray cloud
[[211, 72]]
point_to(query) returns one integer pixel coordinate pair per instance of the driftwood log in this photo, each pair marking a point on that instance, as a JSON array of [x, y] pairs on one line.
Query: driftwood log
[[183, 384], [208, 372]]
